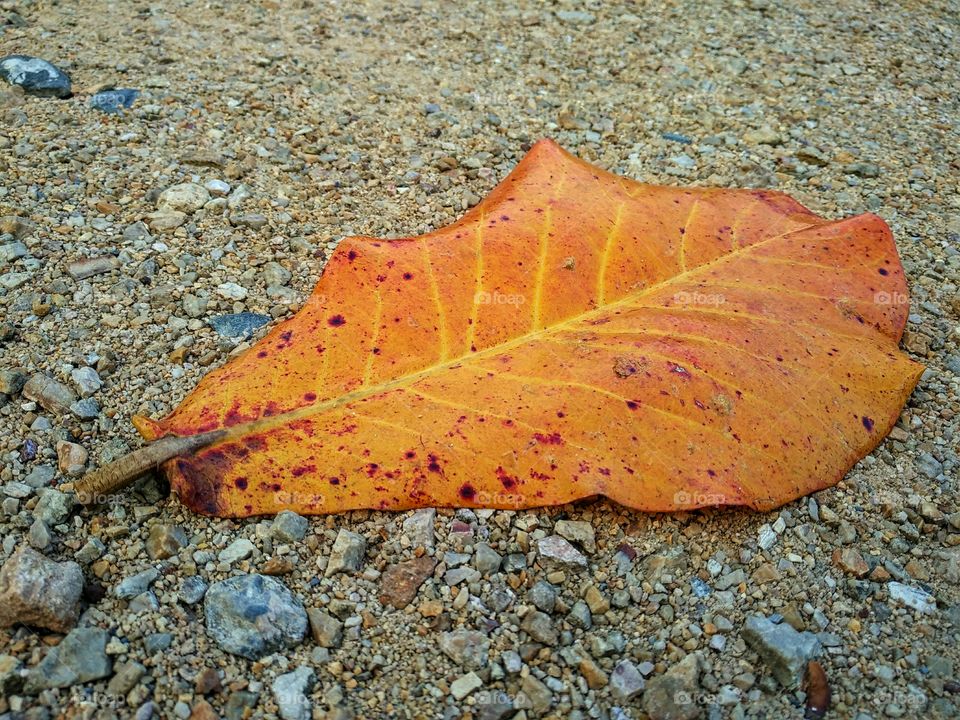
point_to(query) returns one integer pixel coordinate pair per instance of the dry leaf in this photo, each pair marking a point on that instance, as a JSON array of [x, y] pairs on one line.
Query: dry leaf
[[575, 334]]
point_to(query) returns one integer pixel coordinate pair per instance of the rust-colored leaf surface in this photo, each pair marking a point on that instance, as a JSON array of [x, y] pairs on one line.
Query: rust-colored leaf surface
[[575, 334]]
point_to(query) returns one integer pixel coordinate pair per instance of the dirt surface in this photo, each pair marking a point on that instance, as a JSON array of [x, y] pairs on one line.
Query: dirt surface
[[323, 121]]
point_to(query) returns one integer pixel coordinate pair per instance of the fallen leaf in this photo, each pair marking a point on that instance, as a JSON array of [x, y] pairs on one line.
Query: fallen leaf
[[818, 691], [575, 334]]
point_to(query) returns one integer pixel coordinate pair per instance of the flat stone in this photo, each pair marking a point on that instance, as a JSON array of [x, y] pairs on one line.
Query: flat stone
[[36, 77], [53, 507], [540, 627], [290, 693], [485, 559], [192, 589], [126, 678], [468, 648], [81, 657], [12, 381], [86, 380], [850, 561], [253, 616], [347, 553], [465, 684], [673, 695], [577, 531], [114, 101], [185, 197], [35, 590], [53, 396], [784, 650], [238, 325], [543, 595], [912, 597], [89, 267], [400, 582], [239, 549], [557, 551], [137, 584]]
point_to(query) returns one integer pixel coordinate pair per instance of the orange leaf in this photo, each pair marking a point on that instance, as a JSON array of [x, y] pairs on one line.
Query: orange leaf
[[575, 334]]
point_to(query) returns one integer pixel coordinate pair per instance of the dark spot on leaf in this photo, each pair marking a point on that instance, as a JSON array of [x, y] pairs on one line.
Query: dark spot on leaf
[[336, 321]]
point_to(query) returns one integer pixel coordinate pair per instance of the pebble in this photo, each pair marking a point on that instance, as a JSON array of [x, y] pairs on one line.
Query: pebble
[[555, 550], [86, 380], [468, 648], [12, 381], [137, 584], [239, 549], [36, 77], [289, 527], [784, 650], [290, 692], [185, 198], [347, 553], [543, 595], [253, 616], [539, 626], [486, 560], [80, 657], [71, 458], [53, 506], [464, 685], [165, 541], [114, 101], [327, 630], [192, 589], [125, 678], [217, 188], [90, 267], [40, 592], [579, 532], [400, 582], [674, 695], [239, 325], [419, 527], [850, 561], [914, 598], [53, 396]]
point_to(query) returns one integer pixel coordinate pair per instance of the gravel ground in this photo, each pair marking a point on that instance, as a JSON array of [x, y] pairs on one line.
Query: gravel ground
[[317, 121]]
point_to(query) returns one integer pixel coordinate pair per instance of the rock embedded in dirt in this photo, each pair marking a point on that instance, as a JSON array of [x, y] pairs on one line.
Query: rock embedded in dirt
[[289, 527], [165, 541], [36, 76], [290, 693], [914, 598], [327, 631], [784, 650], [40, 592], [89, 267], [577, 531], [626, 682], [419, 527], [79, 658], [114, 101], [185, 197], [468, 648], [674, 695], [347, 553], [52, 395], [239, 325], [130, 587], [554, 550], [253, 616]]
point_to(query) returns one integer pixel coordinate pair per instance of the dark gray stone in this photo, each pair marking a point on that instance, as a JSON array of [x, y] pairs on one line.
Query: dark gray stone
[[238, 325], [36, 77]]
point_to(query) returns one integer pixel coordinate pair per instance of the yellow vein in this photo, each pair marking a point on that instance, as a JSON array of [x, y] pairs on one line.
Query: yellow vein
[[435, 292], [605, 257], [544, 244], [477, 283], [683, 234], [374, 339]]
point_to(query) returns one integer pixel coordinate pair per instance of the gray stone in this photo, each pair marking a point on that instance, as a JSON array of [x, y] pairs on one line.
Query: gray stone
[[12, 251], [126, 678], [36, 77], [468, 648], [39, 535], [534, 695], [540, 627], [80, 657], [86, 409], [485, 559], [254, 221], [347, 553], [673, 695], [144, 602], [579, 615], [784, 650], [556, 551], [239, 325], [192, 589], [137, 584], [543, 595], [239, 549], [289, 527], [12, 381], [465, 684], [87, 380], [37, 591], [54, 507], [114, 101], [275, 274], [92, 550], [927, 464], [915, 598], [626, 682], [419, 527], [290, 693], [157, 642], [40, 476], [89, 267], [254, 615]]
